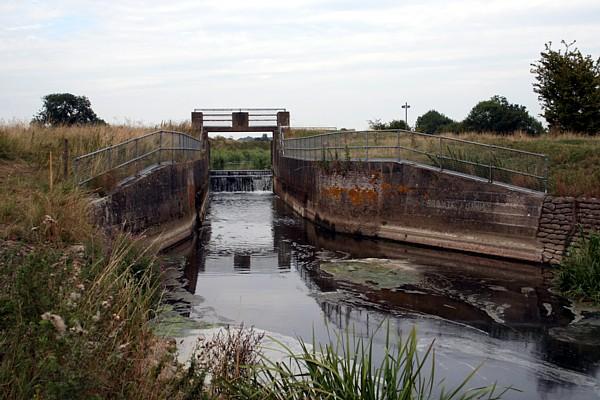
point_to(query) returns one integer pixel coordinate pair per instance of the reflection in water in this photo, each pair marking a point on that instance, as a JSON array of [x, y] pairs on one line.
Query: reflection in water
[[260, 264]]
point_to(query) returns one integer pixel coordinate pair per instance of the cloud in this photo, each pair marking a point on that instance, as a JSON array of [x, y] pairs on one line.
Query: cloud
[[331, 62]]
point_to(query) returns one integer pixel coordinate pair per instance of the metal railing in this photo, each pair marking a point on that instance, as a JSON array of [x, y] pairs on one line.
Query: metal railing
[[132, 156], [223, 116], [494, 163]]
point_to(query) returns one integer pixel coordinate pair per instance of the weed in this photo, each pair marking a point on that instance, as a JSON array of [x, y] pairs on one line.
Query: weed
[[579, 273], [346, 369]]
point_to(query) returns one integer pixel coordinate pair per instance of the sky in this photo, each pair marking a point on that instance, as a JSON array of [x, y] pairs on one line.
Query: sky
[[329, 62]]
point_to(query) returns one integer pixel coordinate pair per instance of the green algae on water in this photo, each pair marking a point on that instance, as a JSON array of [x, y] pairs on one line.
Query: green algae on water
[[373, 272]]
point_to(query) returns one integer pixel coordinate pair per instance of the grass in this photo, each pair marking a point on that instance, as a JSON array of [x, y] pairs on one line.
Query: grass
[[579, 273], [74, 304], [574, 159], [346, 369], [234, 154]]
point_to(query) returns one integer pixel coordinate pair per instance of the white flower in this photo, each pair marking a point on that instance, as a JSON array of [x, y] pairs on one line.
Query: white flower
[[56, 321]]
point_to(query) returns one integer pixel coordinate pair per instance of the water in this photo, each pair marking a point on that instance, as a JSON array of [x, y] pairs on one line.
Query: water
[[241, 181], [260, 264]]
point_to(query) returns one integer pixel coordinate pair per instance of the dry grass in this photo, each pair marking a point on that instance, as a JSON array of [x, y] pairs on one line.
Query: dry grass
[[574, 159], [74, 305]]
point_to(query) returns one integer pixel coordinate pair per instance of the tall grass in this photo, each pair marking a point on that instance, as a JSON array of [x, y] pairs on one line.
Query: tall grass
[[347, 370], [235, 154], [74, 304], [574, 159], [74, 322], [579, 273]]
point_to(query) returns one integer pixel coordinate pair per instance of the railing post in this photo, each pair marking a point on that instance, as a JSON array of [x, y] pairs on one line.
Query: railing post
[[440, 153], [137, 154], [65, 159], [160, 147], [75, 171], [366, 145], [491, 173], [398, 145], [545, 174]]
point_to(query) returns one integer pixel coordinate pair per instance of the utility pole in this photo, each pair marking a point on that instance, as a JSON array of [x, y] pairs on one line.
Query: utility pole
[[406, 106]]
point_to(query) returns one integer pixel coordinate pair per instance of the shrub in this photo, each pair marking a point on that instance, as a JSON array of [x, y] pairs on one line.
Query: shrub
[[579, 273], [432, 122]]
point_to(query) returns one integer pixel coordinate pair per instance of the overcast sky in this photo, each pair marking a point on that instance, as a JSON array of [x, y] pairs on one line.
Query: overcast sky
[[330, 62]]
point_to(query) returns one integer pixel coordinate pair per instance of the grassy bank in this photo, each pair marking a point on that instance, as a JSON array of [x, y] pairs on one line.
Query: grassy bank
[[234, 154], [574, 159], [74, 304]]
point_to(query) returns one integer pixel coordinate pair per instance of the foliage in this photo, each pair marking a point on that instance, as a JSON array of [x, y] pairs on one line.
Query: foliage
[[63, 309], [579, 274], [347, 370], [379, 125], [433, 122], [66, 109], [236, 154], [499, 116], [568, 87]]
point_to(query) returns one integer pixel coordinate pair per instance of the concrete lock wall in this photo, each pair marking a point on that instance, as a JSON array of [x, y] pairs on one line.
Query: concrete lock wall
[[410, 203], [165, 202]]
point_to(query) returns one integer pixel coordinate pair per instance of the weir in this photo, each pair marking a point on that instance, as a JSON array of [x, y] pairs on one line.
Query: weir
[[241, 180]]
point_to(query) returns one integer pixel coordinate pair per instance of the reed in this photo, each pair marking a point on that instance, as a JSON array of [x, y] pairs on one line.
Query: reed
[[346, 369], [579, 273]]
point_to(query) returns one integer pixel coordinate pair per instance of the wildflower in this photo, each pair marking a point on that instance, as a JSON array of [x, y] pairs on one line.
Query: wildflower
[[74, 296], [56, 321], [105, 304], [80, 286], [48, 220], [77, 328]]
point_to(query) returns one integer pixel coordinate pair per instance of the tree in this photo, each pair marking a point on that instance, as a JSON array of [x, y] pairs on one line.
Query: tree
[[568, 87], [432, 121], [498, 115], [378, 125], [66, 109]]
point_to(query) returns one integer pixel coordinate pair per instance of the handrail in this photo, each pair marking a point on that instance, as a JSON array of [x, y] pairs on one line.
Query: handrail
[[139, 152], [459, 155]]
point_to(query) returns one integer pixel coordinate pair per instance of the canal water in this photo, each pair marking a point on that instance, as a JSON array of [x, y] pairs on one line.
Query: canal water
[[260, 264]]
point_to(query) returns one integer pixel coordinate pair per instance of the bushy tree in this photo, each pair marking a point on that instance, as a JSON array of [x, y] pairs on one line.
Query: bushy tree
[[66, 109], [433, 122], [568, 87], [379, 125], [499, 116]]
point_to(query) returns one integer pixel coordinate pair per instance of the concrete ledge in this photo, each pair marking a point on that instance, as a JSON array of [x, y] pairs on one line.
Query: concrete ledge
[[162, 205], [472, 242], [174, 232]]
